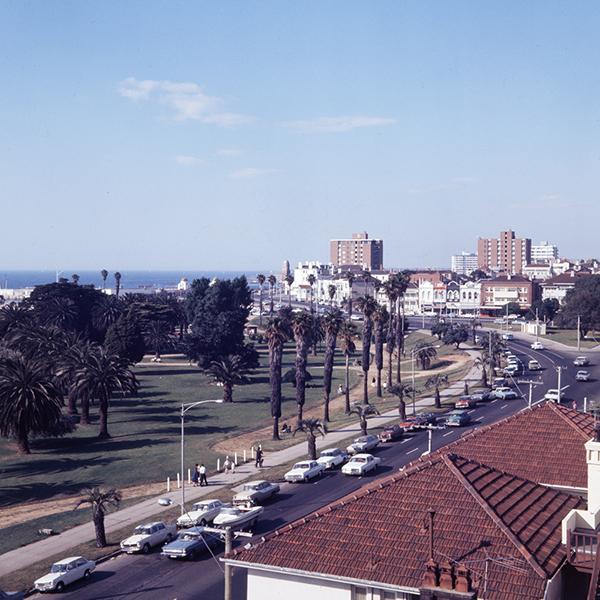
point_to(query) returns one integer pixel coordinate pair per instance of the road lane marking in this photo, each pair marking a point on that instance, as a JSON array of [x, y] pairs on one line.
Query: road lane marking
[[413, 450], [503, 406], [471, 411], [479, 420], [404, 441], [447, 434], [495, 400]]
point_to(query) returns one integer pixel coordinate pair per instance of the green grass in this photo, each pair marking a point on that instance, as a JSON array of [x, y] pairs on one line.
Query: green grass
[[569, 337]]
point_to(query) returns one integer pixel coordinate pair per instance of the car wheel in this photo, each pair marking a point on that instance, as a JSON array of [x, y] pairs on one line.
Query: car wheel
[[145, 548], [60, 586], [87, 574]]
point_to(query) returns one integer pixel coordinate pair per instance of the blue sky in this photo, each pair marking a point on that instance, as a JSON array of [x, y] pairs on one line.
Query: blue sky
[[233, 135]]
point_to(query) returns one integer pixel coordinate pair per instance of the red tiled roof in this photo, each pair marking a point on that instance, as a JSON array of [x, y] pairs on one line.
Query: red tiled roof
[[544, 444], [482, 516]]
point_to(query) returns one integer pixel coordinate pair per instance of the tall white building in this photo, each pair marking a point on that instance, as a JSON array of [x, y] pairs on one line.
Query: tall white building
[[464, 263], [544, 253]]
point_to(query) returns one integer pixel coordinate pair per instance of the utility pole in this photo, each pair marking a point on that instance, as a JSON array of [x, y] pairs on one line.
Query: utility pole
[[578, 333], [228, 573], [537, 325], [531, 384]]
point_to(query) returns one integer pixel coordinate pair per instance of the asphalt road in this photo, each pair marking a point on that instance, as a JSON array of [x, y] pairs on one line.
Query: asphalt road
[[153, 577]]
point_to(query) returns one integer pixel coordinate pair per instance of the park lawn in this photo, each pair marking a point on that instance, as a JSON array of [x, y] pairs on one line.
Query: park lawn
[[569, 337]]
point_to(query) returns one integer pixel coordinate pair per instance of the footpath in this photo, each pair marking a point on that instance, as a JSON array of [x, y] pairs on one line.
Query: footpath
[[136, 514]]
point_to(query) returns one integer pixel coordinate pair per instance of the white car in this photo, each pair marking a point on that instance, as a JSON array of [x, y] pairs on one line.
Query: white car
[[508, 336], [64, 572], [149, 535], [202, 513], [581, 361], [363, 444], [360, 464], [303, 471], [332, 457], [582, 376], [552, 395], [537, 346]]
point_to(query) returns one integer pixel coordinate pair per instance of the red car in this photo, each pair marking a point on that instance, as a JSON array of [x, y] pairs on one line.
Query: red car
[[465, 402], [391, 433]]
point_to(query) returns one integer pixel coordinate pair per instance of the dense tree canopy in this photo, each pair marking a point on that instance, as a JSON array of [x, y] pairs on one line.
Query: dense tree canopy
[[582, 300]]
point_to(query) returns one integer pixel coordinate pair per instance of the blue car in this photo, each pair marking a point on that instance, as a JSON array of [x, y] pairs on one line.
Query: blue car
[[458, 418], [191, 543]]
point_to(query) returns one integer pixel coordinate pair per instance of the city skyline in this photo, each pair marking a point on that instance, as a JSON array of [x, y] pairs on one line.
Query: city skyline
[[142, 135]]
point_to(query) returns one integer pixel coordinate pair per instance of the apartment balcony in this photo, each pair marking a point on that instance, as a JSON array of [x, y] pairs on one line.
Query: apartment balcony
[[582, 547]]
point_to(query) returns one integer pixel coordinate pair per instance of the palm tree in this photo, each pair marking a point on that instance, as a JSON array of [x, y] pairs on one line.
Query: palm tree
[[261, 281], [368, 306], [436, 382], [348, 335], [104, 275], [272, 281], [117, 283], [106, 312], [99, 377], [75, 279], [100, 501], [311, 281], [392, 296], [230, 370], [30, 402], [277, 333], [289, 280], [72, 359], [331, 291], [12, 316], [350, 278], [402, 390], [364, 412], [424, 353], [400, 282], [312, 428], [484, 362], [380, 318], [332, 321], [58, 312], [157, 335], [302, 326]]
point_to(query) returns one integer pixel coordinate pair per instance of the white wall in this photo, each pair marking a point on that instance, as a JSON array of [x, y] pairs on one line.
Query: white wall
[[270, 586]]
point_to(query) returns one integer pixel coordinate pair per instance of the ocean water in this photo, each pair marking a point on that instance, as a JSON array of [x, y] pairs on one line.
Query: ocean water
[[129, 279]]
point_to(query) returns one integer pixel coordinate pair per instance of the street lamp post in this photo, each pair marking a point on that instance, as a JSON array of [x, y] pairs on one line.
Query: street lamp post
[[184, 409]]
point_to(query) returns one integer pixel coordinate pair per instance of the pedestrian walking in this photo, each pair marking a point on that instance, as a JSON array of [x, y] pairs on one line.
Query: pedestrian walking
[[259, 457], [202, 473], [195, 476], [574, 405], [227, 465]]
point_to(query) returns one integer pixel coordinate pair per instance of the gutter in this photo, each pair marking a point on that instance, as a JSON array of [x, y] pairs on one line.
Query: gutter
[[320, 576]]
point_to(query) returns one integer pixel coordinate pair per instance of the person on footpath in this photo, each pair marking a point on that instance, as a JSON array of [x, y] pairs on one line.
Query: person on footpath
[[227, 465], [202, 473], [195, 476], [259, 457]]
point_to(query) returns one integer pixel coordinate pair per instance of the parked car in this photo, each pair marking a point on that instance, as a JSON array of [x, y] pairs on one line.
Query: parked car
[[238, 517], [581, 361], [552, 395], [391, 433], [360, 464], [465, 402], [191, 543], [483, 396], [63, 573], [508, 336], [202, 513], [458, 418], [256, 492], [363, 444], [332, 457], [507, 394], [303, 471], [534, 365], [149, 535], [582, 376], [513, 370]]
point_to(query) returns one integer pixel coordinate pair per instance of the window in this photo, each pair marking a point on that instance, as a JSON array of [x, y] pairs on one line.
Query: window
[[360, 593]]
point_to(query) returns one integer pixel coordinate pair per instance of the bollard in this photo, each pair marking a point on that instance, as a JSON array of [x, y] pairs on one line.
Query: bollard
[[218, 465], [178, 481], [585, 404], [252, 452], [235, 461], [245, 456], [189, 476], [168, 484]]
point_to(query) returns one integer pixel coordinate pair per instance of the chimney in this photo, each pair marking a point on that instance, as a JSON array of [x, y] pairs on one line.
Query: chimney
[[463, 579], [447, 575], [592, 453]]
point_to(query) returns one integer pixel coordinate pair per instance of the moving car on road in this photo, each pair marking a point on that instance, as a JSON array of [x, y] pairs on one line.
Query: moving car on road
[[63, 573], [238, 517], [534, 365], [391, 433], [581, 361], [499, 382], [303, 471], [191, 543], [508, 336], [149, 535], [506, 393], [360, 464], [465, 402], [458, 418], [483, 396], [202, 513], [552, 395], [537, 346], [256, 492], [332, 457], [582, 376], [363, 444]]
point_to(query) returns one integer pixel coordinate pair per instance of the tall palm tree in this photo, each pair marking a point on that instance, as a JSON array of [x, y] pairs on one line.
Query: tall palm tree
[[72, 359], [289, 280], [157, 335], [350, 278], [100, 501], [367, 306], [30, 402], [403, 391], [229, 370], [348, 335], [332, 321], [364, 412], [14, 315], [106, 312], [260, 278], [380, 318], [117, 283], [101, 376], [311, 281], [302, 326], [436, 382], [392, 296], [104, 275], [272, 281], [331, 291], [277, 333], [312, 428], [400, 281], [58, 312]]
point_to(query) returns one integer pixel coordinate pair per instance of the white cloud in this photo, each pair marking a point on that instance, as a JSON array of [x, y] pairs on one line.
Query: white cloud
[[250, 173], [189, 161], [185, 99], [338, 124], [229, 152]]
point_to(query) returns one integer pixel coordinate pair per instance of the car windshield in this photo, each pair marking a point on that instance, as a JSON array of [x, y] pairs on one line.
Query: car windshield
[[200, 506], [141, 530], [302, 466], [189, 537], [359, 459], [56, 568], [329, 453], [249, 487]]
